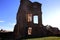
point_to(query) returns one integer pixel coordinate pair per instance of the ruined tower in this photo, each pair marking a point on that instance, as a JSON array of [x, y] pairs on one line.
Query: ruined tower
[[29, 19]]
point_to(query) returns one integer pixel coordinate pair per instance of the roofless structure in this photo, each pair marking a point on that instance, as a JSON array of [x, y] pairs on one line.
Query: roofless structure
[[29, 19]]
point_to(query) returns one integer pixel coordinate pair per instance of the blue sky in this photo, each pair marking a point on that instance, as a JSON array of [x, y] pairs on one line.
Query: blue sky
[[9, 8]]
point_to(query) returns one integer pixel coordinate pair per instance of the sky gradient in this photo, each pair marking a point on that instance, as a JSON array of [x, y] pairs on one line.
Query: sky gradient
[[9, 8]]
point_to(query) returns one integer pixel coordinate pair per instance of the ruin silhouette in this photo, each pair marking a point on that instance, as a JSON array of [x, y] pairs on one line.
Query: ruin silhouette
[[27, 11], [26, 27]]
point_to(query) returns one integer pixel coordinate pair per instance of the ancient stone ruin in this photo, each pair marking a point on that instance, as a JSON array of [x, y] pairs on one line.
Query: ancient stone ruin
[[27, 14], [25, 25], [29, 23]]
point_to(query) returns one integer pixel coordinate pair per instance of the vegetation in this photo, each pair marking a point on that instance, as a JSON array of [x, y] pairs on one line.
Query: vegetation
[[45, 38]]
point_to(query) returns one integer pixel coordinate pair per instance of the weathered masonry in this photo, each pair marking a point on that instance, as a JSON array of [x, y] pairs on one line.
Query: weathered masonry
[[29, 19]]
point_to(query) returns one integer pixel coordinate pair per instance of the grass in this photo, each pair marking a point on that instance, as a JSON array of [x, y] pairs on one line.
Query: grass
[[45, 38]]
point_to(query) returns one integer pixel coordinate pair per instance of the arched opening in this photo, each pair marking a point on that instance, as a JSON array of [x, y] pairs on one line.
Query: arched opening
[[29, 17], [29, 30]]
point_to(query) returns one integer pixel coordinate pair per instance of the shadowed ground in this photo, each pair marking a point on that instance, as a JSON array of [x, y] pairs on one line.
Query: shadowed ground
[[45, 38]]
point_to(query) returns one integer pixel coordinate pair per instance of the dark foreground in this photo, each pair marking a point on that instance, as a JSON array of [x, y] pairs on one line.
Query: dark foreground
[[10, 36]]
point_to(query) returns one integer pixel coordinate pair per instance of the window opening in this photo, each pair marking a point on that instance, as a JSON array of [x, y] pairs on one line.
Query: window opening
[[30, 31], [35, 19], [29, 17]]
